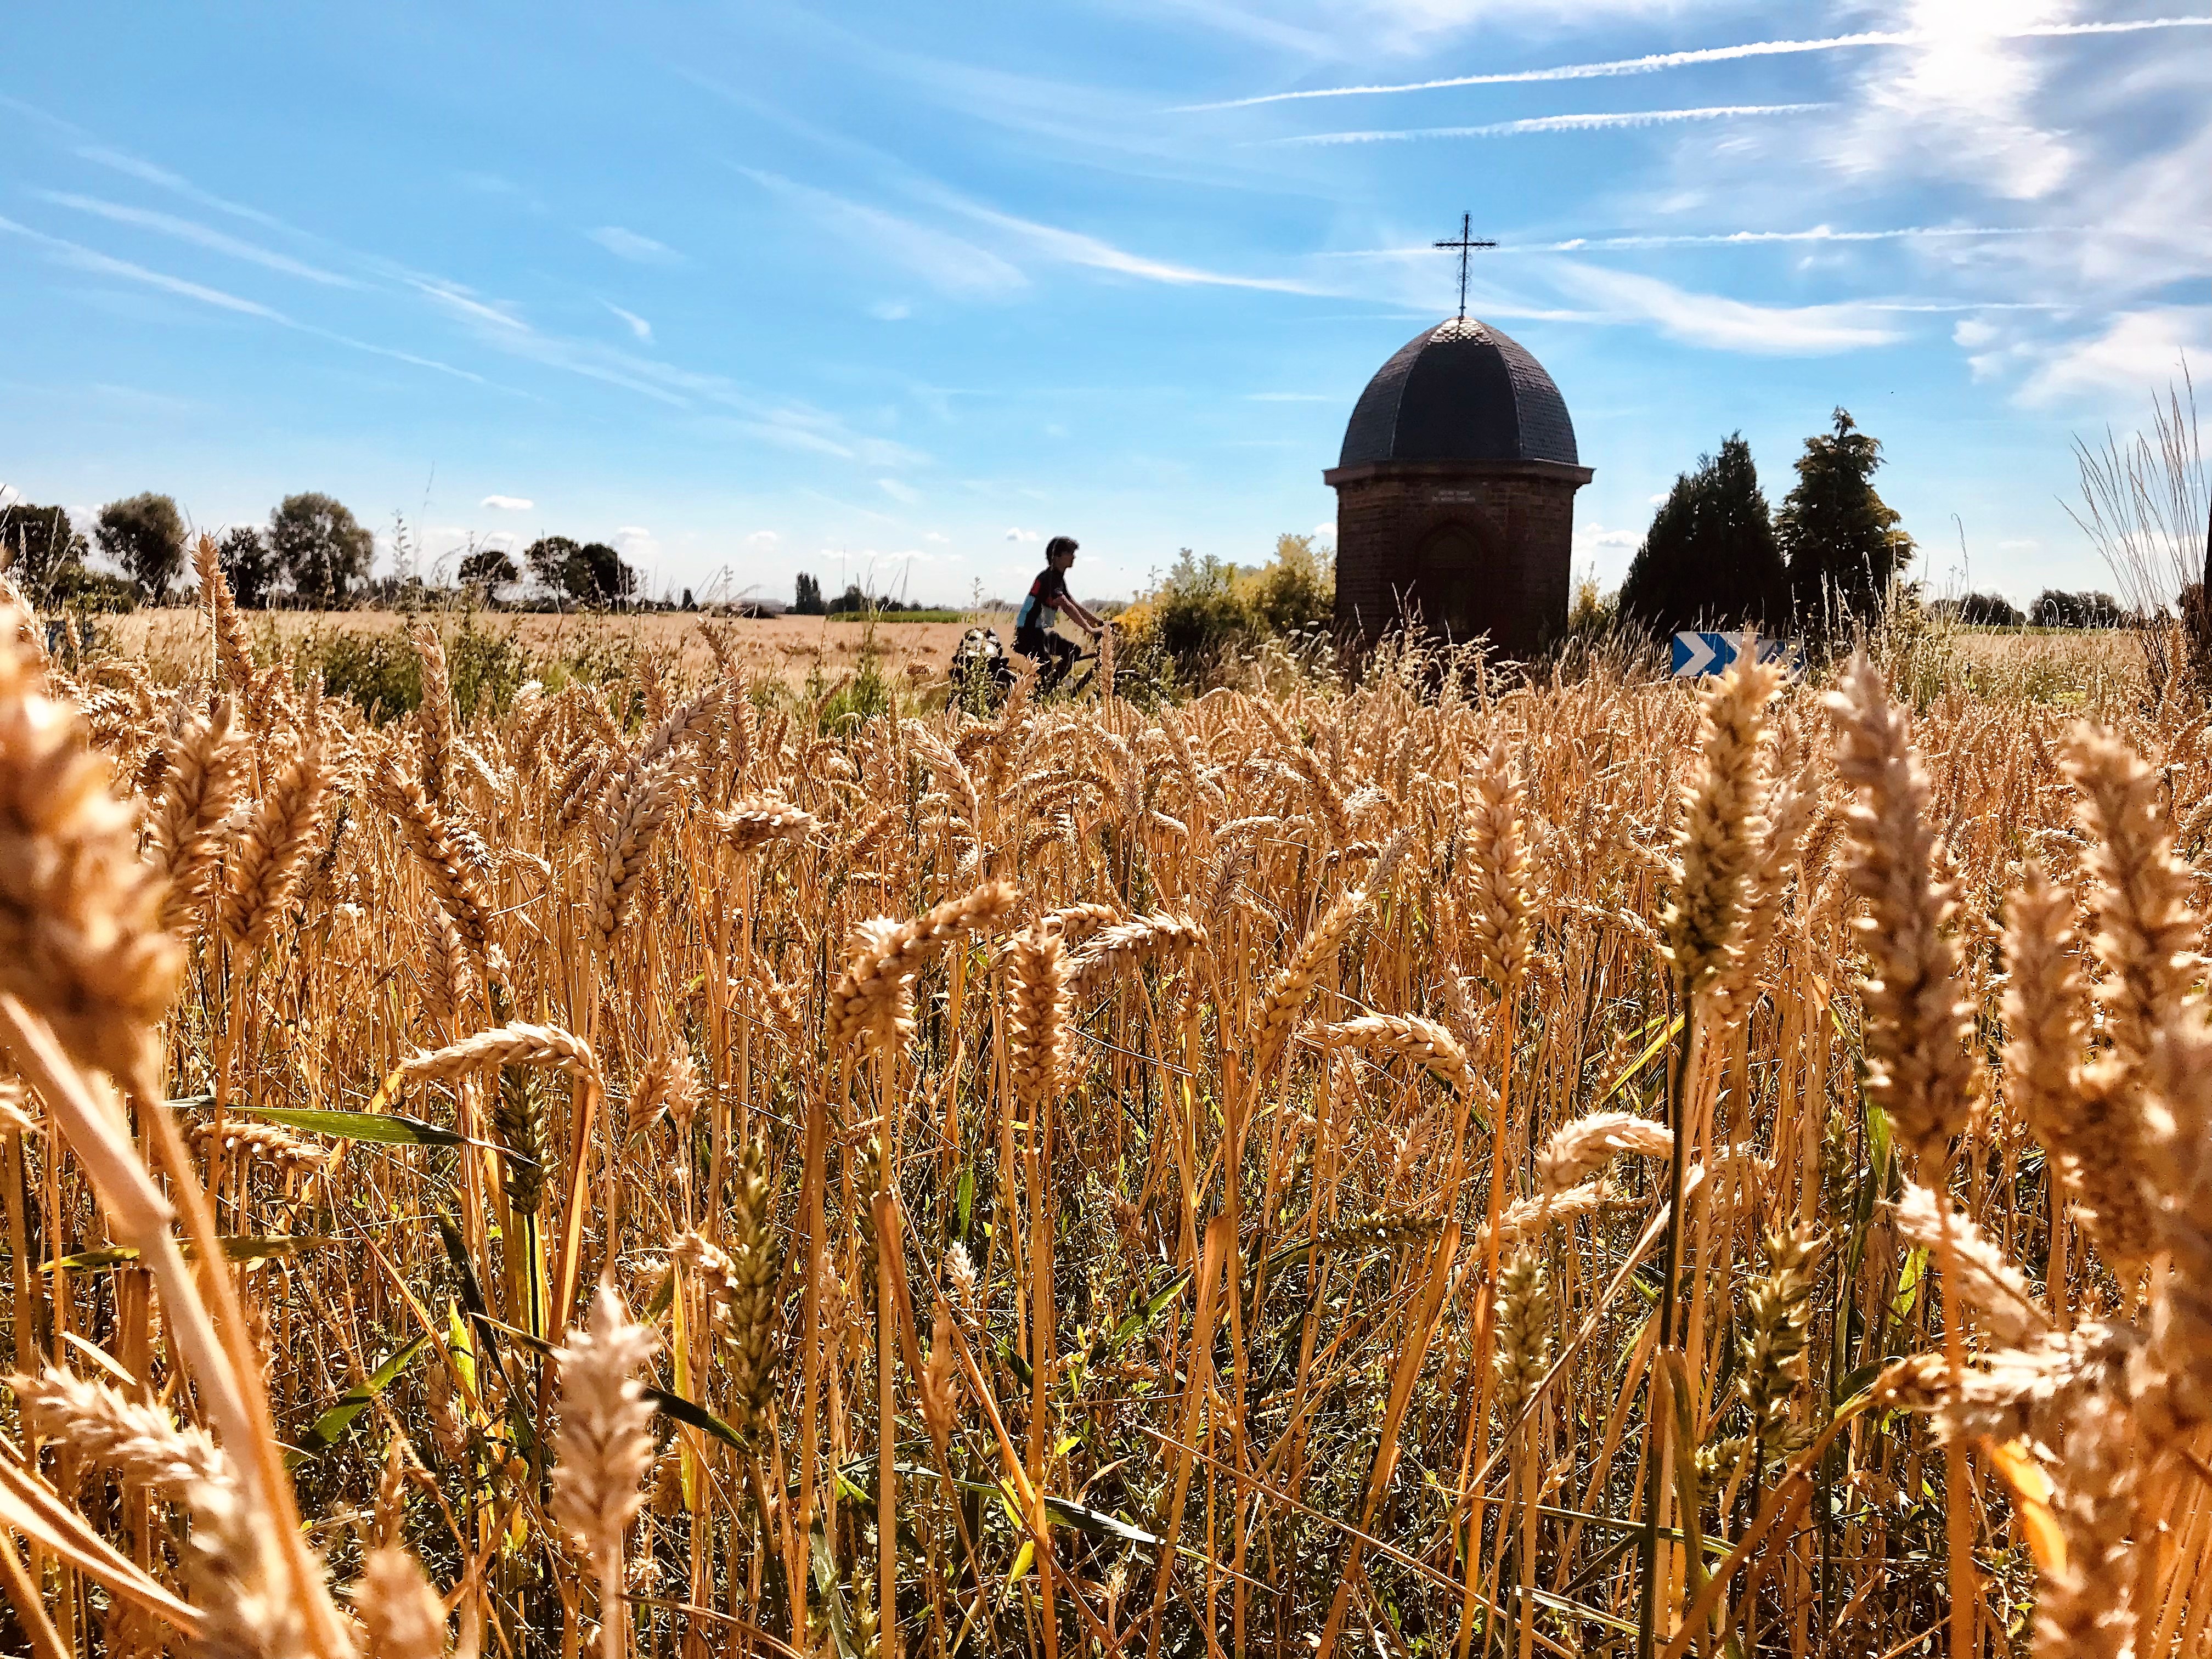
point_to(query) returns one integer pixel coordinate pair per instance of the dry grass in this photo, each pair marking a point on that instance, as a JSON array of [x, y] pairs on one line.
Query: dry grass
[[1438, 1162]]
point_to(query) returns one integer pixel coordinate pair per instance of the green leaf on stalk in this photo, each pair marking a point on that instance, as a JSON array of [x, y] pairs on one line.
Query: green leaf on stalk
[[247, 1248], [330, 1427]]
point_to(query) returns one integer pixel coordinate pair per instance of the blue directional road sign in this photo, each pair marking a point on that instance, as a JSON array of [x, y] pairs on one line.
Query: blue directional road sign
[[1697, 654]]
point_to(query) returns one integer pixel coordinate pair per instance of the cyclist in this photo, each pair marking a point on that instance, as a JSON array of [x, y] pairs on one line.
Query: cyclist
[[1034, 624]]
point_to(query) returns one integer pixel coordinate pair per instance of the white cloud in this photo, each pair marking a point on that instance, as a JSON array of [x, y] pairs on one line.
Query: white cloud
[[638, 325], [1018, 534], [2139, 351], [1961, 105], [1667, 60], [9, 495], [1540, 124], [1597, 535], [898, 491], [629, 245], [891, 311], [950, 263], [935, 536], [1726, 324], [1325, 531], [763, 541], [1973, 332], [85, 259], [508, 503], [147, 172], [1761, 238], [1075, 248], [456, 298], [201, 236]]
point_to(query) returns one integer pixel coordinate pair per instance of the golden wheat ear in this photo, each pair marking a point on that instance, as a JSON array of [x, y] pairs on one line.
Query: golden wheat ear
[[602, 1447]]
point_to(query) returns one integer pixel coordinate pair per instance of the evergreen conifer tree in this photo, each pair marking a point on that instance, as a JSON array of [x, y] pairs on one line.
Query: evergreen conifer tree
[[1710, 558], [1841, 538]]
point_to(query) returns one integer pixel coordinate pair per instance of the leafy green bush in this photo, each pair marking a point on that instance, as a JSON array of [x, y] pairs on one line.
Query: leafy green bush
[[381, 675], [486, 669], [1297, 594], [378, 672], [1209, 615]]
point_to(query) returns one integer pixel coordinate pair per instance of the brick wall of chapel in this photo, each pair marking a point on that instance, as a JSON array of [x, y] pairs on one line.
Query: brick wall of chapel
[[1520, 587]]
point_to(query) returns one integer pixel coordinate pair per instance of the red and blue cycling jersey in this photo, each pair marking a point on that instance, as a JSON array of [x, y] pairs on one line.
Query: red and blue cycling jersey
[[1041, 609]]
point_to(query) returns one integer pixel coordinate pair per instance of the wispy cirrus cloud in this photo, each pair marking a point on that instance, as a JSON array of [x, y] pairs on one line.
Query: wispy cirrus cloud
[[1596, 122], [147, 172], [1716, 321], [200, 235], [1078, 248], [1653, 62], [637, 325], [455, 298], [92, 261], [102, 264], [631, 246], [951, 264], [2136, 350]]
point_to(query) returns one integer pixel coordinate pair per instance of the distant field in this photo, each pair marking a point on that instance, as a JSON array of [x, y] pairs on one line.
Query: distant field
[[787, 649]]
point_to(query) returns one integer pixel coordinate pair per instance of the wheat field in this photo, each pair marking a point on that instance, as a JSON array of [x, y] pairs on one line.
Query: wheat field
[[666, 1170], [782, 650]]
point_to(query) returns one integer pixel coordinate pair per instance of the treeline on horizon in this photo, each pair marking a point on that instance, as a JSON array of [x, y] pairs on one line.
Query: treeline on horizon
[[312, 554]]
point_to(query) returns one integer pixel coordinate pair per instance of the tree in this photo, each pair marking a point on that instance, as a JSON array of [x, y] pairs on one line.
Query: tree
[[1711, 556], [809, 601], [1841, 538], [598, 575], [490, 569], [40, 549], [547, 559], [249, 565], [1297, 594], [144, 534], [589, 573], [2056, 608], [320, 544], [1988, 610]]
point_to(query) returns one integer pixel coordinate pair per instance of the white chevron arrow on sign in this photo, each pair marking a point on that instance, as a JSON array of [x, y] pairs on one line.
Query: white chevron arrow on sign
[[1699, 652]]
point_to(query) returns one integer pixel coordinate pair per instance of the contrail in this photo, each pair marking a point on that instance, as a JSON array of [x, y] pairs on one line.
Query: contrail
[[1667, 60], [1817, 233], [1646, 118], [1724, 239]]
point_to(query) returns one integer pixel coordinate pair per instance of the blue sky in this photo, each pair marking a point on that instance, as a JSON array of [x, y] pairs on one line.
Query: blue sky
[[896, 291]]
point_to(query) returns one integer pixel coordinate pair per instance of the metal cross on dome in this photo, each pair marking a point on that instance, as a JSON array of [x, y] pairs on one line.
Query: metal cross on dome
[[1467, 243]]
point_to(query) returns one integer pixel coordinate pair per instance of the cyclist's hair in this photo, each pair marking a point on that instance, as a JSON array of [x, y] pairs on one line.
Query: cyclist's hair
[[1059, 545]]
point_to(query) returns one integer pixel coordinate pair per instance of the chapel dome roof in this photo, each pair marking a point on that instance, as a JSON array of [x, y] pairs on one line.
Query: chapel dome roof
[[1461, 391]]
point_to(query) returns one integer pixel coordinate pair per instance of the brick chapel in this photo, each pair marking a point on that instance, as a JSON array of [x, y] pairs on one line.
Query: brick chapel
[[1455, 495]]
